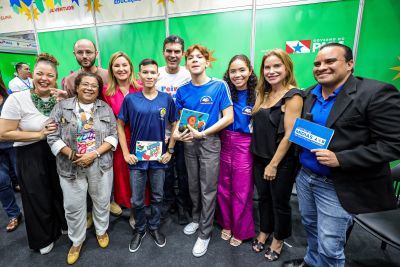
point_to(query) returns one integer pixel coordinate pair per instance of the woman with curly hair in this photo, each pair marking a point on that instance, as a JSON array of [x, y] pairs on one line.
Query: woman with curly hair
[[25, 121], [235, 184]]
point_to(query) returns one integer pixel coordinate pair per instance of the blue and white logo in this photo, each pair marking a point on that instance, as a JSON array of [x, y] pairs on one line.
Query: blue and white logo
[[247, 110], [206, 100]]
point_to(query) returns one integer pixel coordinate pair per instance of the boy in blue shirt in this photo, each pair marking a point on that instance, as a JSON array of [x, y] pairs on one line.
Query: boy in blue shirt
[[202, 149], [147, 113]]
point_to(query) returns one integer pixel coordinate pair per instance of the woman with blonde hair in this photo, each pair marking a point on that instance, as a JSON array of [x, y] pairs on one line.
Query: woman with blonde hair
[[278, 104], [121, 82], [25, 121]]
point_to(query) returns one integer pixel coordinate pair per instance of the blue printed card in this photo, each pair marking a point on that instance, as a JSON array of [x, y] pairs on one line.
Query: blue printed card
[[193, 118], [310, 135], [148, 150]]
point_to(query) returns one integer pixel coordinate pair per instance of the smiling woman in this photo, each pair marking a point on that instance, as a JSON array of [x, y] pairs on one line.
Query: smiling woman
[[24, 119], [82, 142]]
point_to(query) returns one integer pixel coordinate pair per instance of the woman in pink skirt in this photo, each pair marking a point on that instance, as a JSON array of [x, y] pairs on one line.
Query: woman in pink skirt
[[235, 184]]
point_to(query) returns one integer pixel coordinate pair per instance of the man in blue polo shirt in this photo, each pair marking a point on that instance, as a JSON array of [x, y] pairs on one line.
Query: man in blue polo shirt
[[147, 112], [353, 175]]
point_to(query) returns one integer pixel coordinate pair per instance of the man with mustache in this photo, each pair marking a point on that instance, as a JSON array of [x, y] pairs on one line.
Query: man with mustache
[[85, 53], [352, 175]]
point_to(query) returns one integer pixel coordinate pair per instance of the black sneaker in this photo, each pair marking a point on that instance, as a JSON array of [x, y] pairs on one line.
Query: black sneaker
[[158, 237], [136, 241]]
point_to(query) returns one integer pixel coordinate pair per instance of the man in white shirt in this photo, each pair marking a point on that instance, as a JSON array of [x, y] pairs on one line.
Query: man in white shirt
[[172, 76], [22, 81]]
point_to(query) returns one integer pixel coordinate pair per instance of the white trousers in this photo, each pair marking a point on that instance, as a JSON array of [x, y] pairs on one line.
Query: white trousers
[[99, 186]]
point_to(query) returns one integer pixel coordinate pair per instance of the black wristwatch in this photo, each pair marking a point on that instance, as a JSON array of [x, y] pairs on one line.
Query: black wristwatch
[[171, 150]]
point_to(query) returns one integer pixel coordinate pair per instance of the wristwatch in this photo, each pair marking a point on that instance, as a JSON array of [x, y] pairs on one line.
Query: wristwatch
[[171, 150]]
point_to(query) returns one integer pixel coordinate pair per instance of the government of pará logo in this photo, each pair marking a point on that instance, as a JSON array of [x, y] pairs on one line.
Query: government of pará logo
[[206, 100]]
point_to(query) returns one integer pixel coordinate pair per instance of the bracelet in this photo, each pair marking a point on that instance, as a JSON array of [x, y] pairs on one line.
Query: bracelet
[[98, 154], [72, 155]]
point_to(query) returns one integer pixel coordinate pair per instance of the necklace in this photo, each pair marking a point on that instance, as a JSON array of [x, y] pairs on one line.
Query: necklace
[[44, 107], [87, 124]]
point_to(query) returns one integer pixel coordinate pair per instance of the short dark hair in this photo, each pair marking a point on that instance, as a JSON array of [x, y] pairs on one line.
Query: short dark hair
[[174, 39], [18, 66], [147, 61], [348, 53], [81, 75]]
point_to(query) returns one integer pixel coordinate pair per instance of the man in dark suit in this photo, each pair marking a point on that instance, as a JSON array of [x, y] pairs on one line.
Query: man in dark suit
[[353, 175]]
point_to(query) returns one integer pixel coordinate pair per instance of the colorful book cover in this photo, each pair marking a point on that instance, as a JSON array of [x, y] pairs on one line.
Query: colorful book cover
[[148, 150], [310, 135], [195, 119]]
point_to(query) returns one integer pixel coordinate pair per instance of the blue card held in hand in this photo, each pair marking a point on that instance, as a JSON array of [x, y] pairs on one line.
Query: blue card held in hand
[[310, 135]]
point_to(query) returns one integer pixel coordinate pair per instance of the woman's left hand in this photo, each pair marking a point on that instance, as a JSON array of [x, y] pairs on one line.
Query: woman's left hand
[[165, 158], [85, 160], [270, 172]]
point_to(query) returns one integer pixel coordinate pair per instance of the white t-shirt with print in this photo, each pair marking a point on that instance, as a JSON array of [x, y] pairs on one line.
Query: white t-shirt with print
[[169, 83]]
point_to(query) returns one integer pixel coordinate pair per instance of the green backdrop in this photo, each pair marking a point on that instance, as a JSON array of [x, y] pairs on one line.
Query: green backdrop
[[8, 62], [229, 33]]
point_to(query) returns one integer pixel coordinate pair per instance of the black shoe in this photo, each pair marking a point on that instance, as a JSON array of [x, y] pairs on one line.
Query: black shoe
[[295, 263], [172, 209], [136, 241], [183, 216], [158, 237]]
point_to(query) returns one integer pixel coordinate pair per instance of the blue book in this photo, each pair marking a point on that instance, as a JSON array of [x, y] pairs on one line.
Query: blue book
[[195, 119], [310, 135]]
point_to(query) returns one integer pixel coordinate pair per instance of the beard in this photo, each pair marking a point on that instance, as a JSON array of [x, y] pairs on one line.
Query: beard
[[91, 63]]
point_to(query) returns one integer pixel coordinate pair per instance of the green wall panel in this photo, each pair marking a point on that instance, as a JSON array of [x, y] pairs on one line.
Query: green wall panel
[[225, 33], [379, 48], [323, 21], [137, 40], [60, 44], [8, 61]]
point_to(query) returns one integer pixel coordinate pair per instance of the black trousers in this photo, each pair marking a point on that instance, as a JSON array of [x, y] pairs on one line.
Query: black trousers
[[274, 196], [41, 194]]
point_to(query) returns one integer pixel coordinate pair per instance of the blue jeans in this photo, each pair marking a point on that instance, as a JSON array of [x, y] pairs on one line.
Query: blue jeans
[[138, 184], [324, 219], [7, 197]]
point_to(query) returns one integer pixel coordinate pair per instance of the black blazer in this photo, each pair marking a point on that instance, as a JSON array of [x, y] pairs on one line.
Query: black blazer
[[366, 120]]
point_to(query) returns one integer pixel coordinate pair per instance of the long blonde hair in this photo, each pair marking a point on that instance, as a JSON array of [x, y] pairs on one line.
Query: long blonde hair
[[263, 87], [112, 81]]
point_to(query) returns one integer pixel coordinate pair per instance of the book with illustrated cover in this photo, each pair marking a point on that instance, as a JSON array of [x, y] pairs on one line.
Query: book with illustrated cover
[[148, 150], [195, 119]]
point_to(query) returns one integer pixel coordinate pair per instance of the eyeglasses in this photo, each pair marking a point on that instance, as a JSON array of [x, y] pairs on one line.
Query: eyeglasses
[[87, 86]]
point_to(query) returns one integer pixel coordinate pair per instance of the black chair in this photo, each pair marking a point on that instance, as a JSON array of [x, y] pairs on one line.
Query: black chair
[[384, 225]]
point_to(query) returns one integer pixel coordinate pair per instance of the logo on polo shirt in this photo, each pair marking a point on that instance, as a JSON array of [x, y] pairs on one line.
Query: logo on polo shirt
[[163, 111], [247, 110], [206, 100]]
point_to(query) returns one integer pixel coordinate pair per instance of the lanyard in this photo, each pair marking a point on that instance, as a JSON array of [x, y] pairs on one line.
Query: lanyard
[[27, 84]]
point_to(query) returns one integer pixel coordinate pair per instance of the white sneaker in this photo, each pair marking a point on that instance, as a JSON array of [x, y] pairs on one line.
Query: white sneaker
[[47, 249], [200, 247], [191, 228]]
